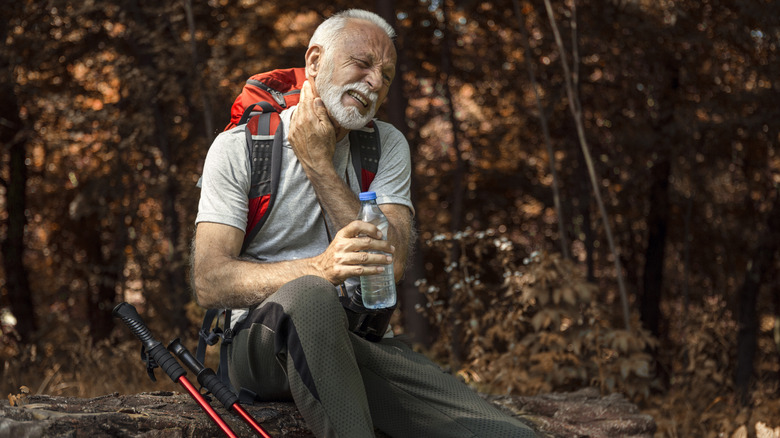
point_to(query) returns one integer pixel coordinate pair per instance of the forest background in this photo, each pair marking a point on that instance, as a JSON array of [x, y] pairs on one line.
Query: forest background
[[547, 137]]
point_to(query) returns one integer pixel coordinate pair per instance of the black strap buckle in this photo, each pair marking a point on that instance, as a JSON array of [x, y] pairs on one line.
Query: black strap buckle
[[211, 337], [227, 336]]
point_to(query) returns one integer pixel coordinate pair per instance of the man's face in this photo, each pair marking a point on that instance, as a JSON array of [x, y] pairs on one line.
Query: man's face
[[356, 74]]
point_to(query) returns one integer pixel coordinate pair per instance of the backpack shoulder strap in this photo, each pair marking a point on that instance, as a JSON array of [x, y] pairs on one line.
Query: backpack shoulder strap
[[264, 141], [206, 336], [250, 111], [366, 150]]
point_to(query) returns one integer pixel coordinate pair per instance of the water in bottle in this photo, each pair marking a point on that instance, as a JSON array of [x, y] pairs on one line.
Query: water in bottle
[[378, 290]]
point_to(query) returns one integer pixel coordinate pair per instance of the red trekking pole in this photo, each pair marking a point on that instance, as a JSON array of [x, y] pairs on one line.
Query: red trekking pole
[[157, 355], [209, 380]]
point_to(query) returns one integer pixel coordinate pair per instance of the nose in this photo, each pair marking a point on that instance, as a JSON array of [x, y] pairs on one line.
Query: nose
[[374, 80]]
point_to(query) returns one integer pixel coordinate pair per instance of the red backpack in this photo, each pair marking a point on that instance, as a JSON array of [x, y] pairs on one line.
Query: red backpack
[[275, 90], [258, 106]]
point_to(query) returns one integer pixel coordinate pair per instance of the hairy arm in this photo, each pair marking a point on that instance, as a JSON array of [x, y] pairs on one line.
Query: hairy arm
[[313, 139], [221, 279], [401, 235]]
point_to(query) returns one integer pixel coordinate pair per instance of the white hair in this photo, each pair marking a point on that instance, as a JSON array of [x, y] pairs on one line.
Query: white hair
[[328, 32]]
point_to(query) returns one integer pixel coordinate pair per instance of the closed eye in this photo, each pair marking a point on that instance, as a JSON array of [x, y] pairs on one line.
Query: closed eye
[[367, 64], [362, 62]]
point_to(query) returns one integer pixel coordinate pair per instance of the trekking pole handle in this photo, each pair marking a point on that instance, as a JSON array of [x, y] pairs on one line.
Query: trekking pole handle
[[127, 313], [206, 376]]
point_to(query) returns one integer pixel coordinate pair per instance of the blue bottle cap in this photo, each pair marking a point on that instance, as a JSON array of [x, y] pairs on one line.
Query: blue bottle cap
[[367, 196]]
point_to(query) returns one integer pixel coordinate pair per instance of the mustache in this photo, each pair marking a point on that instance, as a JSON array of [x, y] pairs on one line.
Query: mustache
[[363, 89]]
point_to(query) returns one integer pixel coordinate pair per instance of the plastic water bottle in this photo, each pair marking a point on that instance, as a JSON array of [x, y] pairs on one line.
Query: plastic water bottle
[[378, 290]]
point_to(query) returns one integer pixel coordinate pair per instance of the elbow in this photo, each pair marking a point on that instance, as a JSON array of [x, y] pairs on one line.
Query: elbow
[[402, 260], [200, 293], [196, 279], [203, 292], [399, 267], [197, 283], [213, 248]]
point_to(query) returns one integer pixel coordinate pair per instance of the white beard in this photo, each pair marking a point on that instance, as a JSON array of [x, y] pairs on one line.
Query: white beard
[[347, 117]]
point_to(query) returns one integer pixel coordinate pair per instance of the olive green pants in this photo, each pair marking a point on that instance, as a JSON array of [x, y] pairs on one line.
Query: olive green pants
[[296, 345]]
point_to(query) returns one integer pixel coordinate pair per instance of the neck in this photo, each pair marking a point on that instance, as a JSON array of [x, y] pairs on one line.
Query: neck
[[340, 132]]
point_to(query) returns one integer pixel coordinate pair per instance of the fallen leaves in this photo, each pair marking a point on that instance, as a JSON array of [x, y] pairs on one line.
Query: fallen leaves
[[18, 400]]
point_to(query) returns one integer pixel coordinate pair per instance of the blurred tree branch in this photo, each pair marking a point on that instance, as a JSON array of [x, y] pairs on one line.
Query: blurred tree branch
[[576, 111]]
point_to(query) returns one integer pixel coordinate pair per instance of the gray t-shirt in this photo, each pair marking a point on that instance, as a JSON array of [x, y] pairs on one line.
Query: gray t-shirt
[[295, 227]]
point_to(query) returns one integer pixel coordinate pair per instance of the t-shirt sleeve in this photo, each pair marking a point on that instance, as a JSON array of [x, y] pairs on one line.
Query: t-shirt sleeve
[[225, 181], [392, 183]]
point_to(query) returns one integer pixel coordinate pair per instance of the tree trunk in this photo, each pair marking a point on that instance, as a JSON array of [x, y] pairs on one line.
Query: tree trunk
[[759, 267], [461, 167], [652, 281], [176, 292], [458, 177], [17, 282], [544, 125], [16, 279], [776, 332], [103, 277], [658, 216], [173, 414], [198, 79], [582, 210]]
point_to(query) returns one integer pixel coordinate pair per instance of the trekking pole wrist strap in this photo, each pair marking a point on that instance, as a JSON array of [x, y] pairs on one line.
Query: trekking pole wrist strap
[[162, 357]]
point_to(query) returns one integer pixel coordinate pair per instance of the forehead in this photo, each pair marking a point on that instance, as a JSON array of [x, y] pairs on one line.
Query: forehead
[[361, 37]]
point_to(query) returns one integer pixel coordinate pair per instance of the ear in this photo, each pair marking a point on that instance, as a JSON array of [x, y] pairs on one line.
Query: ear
[[313, 61]]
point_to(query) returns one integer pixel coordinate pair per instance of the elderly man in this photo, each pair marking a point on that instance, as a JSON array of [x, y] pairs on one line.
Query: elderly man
[[293, 340]]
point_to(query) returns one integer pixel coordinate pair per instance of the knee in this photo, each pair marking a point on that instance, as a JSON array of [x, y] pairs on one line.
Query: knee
[[310, 295]]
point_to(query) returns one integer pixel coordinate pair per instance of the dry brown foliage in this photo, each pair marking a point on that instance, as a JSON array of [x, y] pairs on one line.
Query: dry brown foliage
[[531, 324], [69, 362], [700, 399]]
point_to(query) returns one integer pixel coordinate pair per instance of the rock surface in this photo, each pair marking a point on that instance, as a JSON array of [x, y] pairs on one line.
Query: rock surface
[[584, 413]]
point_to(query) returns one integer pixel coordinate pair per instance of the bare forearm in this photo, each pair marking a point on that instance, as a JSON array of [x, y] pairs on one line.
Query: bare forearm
[[401, 234], [337, 200], [222, 280], [236, 283]]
